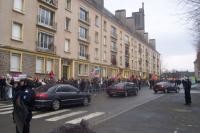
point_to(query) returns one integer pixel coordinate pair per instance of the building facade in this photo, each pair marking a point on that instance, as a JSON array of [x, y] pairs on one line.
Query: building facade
[[74, 39]]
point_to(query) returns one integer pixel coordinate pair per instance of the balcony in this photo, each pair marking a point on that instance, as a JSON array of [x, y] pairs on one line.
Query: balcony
[[86, 21], [84, 39], [52, 3], [52, 26], [83, 56], [113, 35], [51, 49]]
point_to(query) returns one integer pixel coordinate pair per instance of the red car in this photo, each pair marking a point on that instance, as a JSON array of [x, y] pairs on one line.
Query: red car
[[123, 88]]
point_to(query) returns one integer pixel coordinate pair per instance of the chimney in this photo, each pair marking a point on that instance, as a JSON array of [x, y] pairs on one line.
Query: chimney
[[121, 14], [146, 36], [152, 43], [100, 2]]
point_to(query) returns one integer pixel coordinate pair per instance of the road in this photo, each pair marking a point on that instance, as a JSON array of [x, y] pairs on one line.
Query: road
[[101, 110], [167, 114]]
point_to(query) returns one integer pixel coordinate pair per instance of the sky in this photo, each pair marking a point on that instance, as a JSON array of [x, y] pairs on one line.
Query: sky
[[165, 21]]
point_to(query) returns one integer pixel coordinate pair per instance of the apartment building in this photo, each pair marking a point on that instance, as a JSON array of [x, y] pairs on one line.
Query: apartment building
[[74, 39]]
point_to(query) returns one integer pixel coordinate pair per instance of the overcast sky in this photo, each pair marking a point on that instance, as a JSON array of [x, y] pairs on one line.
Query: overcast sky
[[165, 22]]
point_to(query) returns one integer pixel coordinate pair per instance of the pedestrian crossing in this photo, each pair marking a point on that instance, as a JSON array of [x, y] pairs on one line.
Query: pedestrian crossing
[[192, 91], [65, 115]]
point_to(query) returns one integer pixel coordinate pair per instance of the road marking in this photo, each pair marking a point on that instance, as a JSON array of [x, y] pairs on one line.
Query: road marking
[[65, 116], [6, 109], [49, 114], [1, 104], [6, 112], [87, 117], [126, 110], [6, 106]]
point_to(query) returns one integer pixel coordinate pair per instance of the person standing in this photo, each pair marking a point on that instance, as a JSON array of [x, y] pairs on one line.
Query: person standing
[[23, 105], [187, 87]]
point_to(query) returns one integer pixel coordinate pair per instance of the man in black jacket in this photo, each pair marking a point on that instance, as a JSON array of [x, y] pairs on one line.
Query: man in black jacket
[[187, 87], [23, 104]]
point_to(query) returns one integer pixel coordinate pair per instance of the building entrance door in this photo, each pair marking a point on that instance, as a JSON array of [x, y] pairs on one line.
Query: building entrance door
[[65, 72]]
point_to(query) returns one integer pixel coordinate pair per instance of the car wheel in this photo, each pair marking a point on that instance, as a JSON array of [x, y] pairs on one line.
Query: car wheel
[[126, 94], [164, 91], [155, 92], [56, 105], [85, 101]]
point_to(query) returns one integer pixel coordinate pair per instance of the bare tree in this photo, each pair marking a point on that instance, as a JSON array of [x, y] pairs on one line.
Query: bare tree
[[193, 16]]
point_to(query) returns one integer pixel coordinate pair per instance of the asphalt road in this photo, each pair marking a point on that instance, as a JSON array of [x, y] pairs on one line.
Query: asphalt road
[[102, 110], [167, 114]]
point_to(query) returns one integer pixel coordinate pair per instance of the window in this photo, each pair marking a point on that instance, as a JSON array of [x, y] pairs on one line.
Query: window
[[84, 15], [96, 53], [104, 72], [126, 39], [104, 40], [104, 55], [40, 65], [15, 62], [97, 21], [17, 31], [67, 45], [83, 32], [82, 50], [19, 5], [113, 46], [105, 26], [49, 66], [113, 31], [46, 17], [83, 69], [67, 23], [68, 4], [45, 41], [96, 37]]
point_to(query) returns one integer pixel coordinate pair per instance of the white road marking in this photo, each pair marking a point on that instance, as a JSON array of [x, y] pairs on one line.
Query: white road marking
[[192, 91], [49, 114], [128, 109], [4, 106], [65, 116], [6, 109], [6, 112], [87, 117]]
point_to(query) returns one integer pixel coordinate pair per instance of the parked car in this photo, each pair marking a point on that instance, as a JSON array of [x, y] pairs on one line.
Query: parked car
[[56, 96], [123, 88], [165, 87]]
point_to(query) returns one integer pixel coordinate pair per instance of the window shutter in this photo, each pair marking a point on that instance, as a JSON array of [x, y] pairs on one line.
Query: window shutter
[[49, 66], [15, 62]]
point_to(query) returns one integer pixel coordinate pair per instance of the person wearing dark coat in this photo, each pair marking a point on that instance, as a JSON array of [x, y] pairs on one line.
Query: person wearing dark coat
[[23, 101], [2, 88], [187, 87]]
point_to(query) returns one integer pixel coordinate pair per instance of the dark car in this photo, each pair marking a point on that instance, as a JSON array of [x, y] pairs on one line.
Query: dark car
[[58, 95], [123, 88], [165, 87]]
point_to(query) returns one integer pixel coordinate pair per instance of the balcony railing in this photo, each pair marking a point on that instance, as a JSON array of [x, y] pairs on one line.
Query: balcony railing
[[51, 48], [83, 56], [52, 3], [114, 35], [52, 26], [85, 39], [86, 21]]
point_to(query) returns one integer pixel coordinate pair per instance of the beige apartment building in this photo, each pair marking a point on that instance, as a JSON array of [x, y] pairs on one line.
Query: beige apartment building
[[74, 39]]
